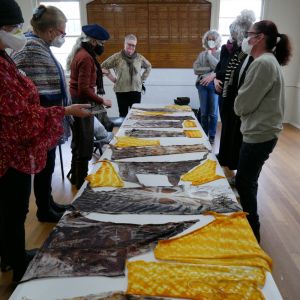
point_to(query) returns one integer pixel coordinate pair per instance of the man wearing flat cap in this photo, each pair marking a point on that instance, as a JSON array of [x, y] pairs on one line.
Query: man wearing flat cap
[[85, 75]]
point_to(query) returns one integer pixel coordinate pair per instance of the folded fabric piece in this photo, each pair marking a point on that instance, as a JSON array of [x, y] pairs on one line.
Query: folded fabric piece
[[106, 175], [153, 133], [167, 108], [204, 173], [120, 153], [128, 170], [179, 107], [160, 117], [194, 281], [125, 141], [112, 296], [78, 246], [193, 133], [189, 123], [154, 200], [228, 240], [157, 124], [155, 113]]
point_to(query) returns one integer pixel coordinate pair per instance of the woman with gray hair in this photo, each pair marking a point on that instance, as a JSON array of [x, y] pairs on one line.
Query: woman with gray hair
[[233, 76], [38, 62], [204, 67], [127, 65]]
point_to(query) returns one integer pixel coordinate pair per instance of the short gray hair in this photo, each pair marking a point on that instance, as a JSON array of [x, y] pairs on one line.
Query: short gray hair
[[242, 24], [215, 34], [130, 37]]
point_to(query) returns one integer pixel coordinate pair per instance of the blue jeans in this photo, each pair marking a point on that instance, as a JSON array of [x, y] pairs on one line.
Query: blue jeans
[[251, 160], [208, 112]]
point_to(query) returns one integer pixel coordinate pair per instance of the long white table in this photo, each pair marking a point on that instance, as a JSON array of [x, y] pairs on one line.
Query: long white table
[[59, 288]]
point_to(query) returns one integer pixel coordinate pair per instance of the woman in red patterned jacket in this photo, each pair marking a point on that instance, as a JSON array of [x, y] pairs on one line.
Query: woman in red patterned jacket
[[27, 131]]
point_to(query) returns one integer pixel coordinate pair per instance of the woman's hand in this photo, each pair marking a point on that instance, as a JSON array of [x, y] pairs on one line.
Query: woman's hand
[[105, 72], [107, 103], [218, 85], [78, 110], [208, 79]]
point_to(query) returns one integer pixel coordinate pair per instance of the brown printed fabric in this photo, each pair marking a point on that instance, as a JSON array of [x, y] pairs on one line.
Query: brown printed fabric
[[173, 170], [157, 124], [78, 246], [128, 152], [160, 117], [140, 133], [151, 200]]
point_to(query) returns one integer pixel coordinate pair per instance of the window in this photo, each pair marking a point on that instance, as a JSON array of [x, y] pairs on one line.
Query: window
[[71, 9], [230, 9]]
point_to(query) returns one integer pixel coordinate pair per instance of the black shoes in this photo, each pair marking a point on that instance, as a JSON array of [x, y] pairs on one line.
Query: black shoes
[[19, 271], [50, 216]]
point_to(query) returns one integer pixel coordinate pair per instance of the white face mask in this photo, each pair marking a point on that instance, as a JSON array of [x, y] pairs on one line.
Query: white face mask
[[15, 39], [58, 41], [246, 48], [211, 44]]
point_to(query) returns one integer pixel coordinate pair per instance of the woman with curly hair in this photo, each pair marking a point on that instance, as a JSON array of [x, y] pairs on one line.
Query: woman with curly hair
[[204, 67]]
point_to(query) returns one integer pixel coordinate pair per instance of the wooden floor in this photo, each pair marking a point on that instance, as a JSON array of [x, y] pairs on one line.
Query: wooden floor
[[279, 210]]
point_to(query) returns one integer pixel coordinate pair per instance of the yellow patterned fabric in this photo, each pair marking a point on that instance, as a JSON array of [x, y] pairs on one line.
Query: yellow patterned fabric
[[193, 133], [189, 123], [228, 240], [106, 175], [124, 142], [194, 282], [204, 173], [179, 107]]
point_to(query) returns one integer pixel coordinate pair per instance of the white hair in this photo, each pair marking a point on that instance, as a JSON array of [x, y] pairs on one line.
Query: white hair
[[130, 37], [216, 36], [241, 25], [75, 49]]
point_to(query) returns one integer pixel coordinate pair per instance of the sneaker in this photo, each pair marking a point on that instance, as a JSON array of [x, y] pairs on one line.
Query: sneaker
[[212, 140]]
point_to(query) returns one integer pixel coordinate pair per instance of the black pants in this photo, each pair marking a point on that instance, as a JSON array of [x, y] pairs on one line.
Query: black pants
[[251, 161], [42, 183], [82, 146], [126, 100], [15, 189]]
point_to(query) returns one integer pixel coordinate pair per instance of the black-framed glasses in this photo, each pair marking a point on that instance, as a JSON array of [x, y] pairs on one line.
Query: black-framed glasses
[[131, 45]]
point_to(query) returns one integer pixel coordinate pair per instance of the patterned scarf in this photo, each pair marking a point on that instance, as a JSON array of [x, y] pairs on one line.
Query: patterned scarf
[[130, 60], [231, 67], [99, 80]]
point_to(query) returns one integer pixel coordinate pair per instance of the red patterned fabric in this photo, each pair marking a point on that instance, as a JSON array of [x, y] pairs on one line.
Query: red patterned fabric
[[27, 130]]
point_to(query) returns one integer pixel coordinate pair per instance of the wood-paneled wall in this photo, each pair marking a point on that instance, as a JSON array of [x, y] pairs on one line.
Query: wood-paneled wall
[[169, 32]]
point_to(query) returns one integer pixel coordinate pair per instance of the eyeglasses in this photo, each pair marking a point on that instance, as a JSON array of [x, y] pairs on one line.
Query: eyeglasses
[[252, 34], [63, 34], [131, 45]]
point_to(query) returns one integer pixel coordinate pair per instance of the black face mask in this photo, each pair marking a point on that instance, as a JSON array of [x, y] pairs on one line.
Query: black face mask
[[99, 49]]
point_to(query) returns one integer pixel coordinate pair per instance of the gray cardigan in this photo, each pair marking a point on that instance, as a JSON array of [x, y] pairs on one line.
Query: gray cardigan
[[260, 100]]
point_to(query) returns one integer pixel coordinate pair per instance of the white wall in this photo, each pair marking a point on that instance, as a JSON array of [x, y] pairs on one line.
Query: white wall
[[163, 85]]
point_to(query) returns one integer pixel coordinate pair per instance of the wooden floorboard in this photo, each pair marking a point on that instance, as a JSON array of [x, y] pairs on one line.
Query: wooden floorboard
[[279, 210]]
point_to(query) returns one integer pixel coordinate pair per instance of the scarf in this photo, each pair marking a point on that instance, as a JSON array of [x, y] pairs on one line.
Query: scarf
[[99, 80], [130, 60], [233, 64]]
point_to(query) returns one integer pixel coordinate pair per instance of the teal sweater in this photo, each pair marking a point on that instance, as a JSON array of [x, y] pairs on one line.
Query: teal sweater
[[260, 100]]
